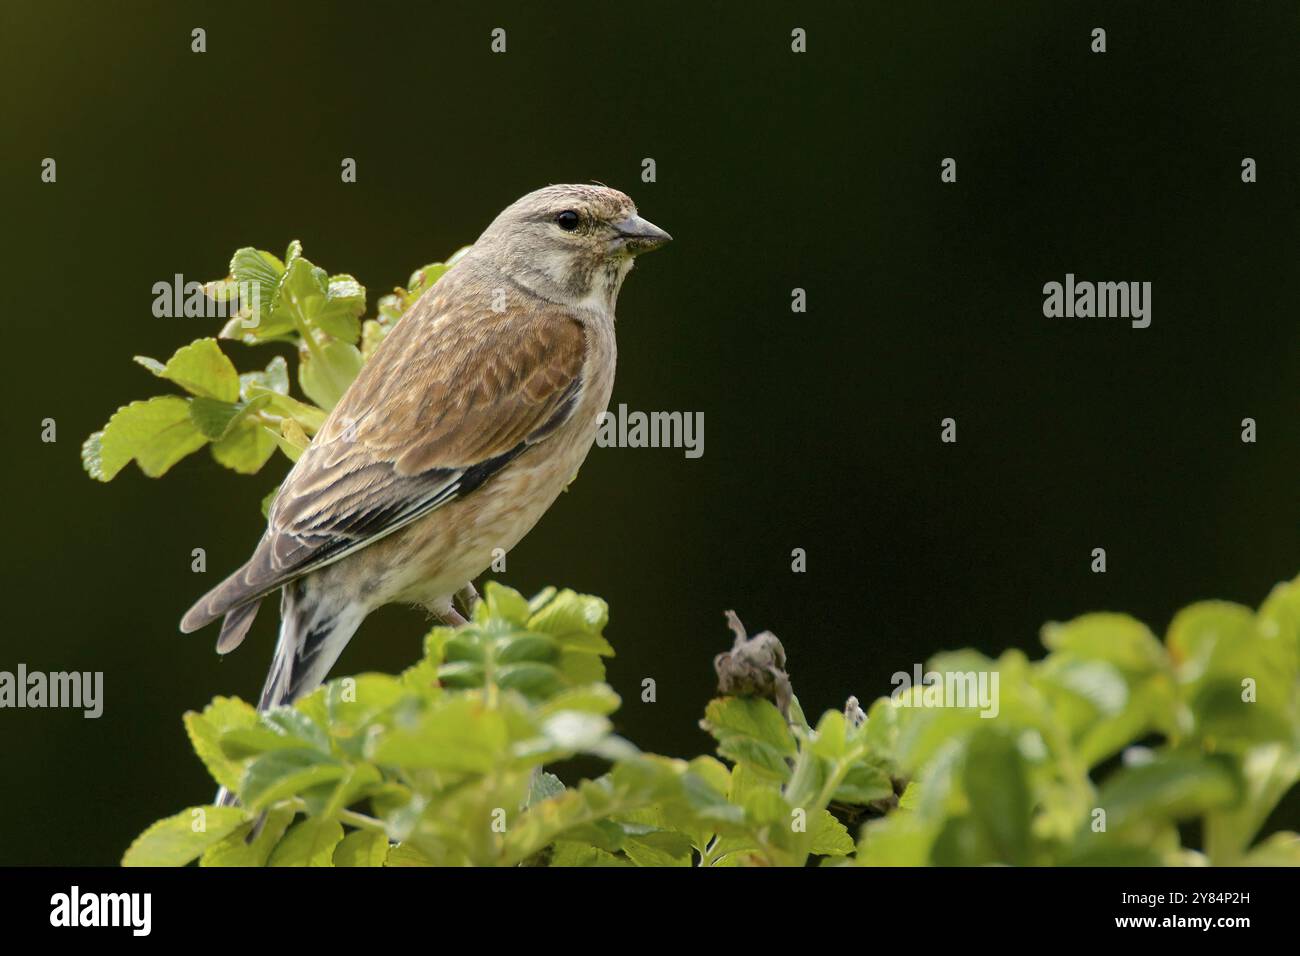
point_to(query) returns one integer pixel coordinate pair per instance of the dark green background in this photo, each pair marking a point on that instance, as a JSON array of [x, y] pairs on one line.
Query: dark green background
[[822, 430]]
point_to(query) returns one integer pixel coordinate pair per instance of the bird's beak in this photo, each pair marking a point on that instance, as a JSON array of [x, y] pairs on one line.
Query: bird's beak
[[638, 235]]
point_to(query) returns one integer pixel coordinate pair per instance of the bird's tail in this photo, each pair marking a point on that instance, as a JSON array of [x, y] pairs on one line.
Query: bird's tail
[[314, 629]]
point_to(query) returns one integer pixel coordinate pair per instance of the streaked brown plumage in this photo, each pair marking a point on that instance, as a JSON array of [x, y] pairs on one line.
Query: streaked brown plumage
[[457, 435]]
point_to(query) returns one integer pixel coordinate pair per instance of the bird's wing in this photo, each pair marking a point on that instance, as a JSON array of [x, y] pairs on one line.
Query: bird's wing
[[453, 394]]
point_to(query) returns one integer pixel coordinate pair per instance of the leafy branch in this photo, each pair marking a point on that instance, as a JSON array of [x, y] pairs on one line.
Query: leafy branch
[[245, 417], [443, 763]]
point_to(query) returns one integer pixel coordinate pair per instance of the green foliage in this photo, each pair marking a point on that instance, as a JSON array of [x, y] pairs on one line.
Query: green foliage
[[244, 418], [1208, 723], [442, 764]]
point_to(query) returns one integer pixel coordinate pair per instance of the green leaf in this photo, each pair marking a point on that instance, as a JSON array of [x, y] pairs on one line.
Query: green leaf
[[575, 620], [454, 734], [1199, 631], [331, 305], [290, 439], [865, 781], [253, 265], [828, 837], [309, 417], [541, 599], [245, 448], [1117, 639], [660, 847], [528, 678], [326, 370], [1280, 849], [273, 381], [219, 419], [309, 842], [236, 850], [1279, 616], [544, 786], [284, 728], [831, 740], [300, 721], [571, 853], [752, 731], [1173, 786], [206, 730], [1226, 719], [92, 457], [262, 272], [404, 854], [506, 603], [1240, 682], [179, 839], [574, 731], [580, 667], [592, 698], [340, 314], [997, 784], [352, 702], [213, 417], [201, 368], [526, 648], [156, 433], [1268, 773], [897, 840], [286, 773], [711, 772], [632, 785], [362, 848]]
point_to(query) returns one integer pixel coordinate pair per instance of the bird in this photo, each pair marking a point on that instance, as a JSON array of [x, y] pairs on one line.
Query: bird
[[474, 413]]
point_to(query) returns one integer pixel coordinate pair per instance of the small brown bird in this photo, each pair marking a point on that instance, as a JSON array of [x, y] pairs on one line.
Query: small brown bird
[[462, 429]]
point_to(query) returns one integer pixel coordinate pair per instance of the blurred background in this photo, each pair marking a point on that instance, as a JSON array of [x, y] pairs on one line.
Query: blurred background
[[774, 171]]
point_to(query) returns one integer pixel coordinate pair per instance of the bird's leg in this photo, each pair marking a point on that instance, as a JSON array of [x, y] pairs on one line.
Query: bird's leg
[[452, 618], [468, 598]]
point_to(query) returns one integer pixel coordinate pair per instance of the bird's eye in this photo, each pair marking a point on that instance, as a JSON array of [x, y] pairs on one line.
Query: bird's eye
[[568, 220]]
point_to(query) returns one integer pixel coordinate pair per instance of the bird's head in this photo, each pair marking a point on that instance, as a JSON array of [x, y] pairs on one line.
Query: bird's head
[[570, 244]]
